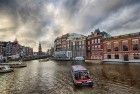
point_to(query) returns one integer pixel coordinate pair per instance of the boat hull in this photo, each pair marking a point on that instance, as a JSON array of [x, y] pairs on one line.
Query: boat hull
[[6, 71]]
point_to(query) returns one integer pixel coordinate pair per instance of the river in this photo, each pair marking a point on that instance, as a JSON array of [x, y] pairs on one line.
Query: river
[[53, 77]]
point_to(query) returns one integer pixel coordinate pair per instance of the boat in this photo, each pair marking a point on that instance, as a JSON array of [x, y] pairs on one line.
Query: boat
[[79, 58], [81, 76], [5, 69], [19, 64], [44, 60]]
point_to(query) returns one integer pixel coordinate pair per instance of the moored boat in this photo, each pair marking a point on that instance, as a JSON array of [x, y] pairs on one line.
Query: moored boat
[[5, 69], [44, 60]]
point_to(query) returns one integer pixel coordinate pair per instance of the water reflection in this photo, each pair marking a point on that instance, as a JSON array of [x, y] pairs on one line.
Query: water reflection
[[124, 73], [53, 77]]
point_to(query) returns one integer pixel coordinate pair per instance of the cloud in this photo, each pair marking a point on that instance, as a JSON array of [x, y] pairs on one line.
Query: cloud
[[32, 21]]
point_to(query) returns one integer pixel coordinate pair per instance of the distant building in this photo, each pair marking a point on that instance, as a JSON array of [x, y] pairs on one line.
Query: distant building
[[39, 49], [14, 49], [122, 48], [26, 51], [50, 51]]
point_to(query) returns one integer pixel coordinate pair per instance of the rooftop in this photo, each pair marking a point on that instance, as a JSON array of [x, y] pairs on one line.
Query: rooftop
[[124, 36]]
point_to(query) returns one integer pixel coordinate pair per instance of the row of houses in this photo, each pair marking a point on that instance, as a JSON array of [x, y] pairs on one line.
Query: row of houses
[[99, 46], [122, 48], [14, 50]]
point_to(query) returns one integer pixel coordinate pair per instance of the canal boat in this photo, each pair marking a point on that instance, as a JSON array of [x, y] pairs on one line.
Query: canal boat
[[44, 60], [5, 69], [19, 64], [79, 58], [81, 76]]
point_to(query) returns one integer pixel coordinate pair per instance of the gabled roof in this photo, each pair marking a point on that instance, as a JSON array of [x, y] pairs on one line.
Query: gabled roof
[[105, 35], [97, 31]]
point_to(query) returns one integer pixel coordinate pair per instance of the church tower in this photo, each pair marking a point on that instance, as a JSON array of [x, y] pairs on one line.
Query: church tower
[[39, 49], [16, 41]]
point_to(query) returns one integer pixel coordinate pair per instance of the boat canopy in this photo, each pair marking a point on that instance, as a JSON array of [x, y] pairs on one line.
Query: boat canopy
[[78, 68]]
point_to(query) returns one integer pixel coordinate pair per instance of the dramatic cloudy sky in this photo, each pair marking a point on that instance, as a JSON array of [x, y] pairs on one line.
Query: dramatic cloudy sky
[[31, 21]]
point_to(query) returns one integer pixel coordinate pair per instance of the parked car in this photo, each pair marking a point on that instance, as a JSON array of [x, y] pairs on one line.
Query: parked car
[[81, 76]]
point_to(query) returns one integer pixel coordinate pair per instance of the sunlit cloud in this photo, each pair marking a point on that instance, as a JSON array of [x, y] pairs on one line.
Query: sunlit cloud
[[34, 21]]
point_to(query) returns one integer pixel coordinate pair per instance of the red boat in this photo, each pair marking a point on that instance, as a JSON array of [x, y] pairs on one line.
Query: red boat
[[81, 76]]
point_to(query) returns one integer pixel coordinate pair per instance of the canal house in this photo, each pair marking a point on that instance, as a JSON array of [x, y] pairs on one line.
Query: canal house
[[95, 45], [123, 48]]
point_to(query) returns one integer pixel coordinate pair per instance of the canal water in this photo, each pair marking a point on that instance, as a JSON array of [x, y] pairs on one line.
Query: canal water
[[53, 77]]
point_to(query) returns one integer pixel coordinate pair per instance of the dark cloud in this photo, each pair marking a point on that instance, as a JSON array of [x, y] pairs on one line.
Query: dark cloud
[[44, 20]]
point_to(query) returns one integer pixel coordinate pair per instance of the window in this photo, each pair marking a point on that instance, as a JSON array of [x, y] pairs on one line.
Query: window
[[88, 48], [116, 46], [83, 47], [136, 56], [99, 46], [73, 43], [95, 46], [95, 40], [109, 48], [135, 43], [109, 56], [116, 49], [125, 45], [98, 40], [135, 47], [92, 47], [88, 42], [92, 41], [116, 56], [83, 42]]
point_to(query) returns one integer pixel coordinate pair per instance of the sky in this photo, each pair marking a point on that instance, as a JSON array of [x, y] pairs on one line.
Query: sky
[[31, 21]]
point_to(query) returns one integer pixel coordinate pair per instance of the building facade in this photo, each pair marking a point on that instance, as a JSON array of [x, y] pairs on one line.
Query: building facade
[[69, 46], [50, 52], [123, 48], [94, 45], [78, 47], [14, 50]]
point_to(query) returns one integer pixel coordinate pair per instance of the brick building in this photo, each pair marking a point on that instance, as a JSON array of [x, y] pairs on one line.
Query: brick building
[[9, 49], [94, 44], [70, 45], [122, 48]]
